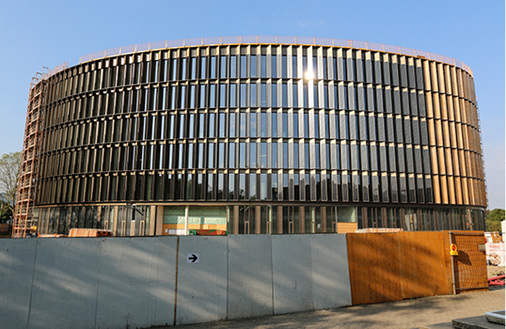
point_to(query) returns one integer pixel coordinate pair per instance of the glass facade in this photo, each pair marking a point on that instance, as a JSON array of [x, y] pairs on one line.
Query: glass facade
[[287, 138]]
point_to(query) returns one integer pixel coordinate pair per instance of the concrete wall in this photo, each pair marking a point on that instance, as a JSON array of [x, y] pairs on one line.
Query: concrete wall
[[136, 282], [17, 257], [202, 285], [309, 272], [249, 276], [87, 282], [142, 282]]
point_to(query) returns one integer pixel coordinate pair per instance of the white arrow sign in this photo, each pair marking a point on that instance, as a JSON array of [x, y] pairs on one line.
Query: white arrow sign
[[192, 258]]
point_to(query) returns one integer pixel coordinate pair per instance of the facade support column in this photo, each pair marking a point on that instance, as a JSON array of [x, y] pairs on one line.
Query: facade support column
[[159, 221], [186, 211], [114, 220]]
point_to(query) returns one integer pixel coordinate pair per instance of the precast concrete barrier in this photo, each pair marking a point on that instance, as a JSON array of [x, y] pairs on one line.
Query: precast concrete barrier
[[309, 272], [249, 276], [17, 260], [87, 282], [140, 282], [201, 279]]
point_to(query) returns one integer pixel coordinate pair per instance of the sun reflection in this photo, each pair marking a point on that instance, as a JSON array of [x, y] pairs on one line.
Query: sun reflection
[[309, 75]]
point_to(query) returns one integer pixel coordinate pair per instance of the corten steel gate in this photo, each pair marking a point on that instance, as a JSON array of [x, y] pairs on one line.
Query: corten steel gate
[[470, 266], [395, 266]]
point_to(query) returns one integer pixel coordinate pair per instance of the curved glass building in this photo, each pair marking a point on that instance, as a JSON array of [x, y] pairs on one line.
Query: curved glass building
[[261, 135]]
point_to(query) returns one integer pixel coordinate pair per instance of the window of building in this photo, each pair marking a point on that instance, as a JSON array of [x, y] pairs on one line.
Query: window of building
[[295, 95], [223, 95], [231, 155], [222, 125], [274, 66], [285, 155], [296, 155], [263, 188], [211, 125], [253, 65], [221, 155], [193, 68], [305, 92], [243, 95], [253, 124], [253, 155], [295, 124], [284, 69], [253, 95], [263, 95], [231, 187], [306, 155], [252, 186], [285, 124], [242, 186], [212, 95], [192, 97], [306, 125], [232, 95], [274, 122], [183, 68], [244, 66], [284, 95], [263, 66], [263, 155], [263, 125], [242, 124], [202, 96], [316, 103], [242, 155], [223, 67], [213, 67], [232, 132], [294, 66], [274, 94], [210, 156], [316, 125], [274, 155], [317, 154], [233, 66]]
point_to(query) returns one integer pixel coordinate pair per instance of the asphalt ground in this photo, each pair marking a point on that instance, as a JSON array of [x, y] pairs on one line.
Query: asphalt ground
[[405, 314]]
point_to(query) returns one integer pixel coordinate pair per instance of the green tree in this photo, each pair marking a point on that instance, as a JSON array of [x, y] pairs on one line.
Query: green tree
[[494, 219], [5, 212], [9, 174]]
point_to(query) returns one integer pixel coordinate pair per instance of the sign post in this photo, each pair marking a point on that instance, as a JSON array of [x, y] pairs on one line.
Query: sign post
[[452, 260]]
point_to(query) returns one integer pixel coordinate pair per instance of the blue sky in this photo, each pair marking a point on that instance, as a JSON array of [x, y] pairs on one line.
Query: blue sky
[[34, 34]]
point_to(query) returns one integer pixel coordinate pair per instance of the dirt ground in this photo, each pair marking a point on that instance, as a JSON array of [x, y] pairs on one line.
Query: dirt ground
[[495, 270]]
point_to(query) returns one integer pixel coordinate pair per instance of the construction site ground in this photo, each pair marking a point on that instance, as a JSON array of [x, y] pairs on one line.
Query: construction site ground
[[428, 312], [495, 270]]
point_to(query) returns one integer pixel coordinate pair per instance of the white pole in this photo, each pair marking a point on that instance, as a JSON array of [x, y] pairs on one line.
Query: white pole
[[186, 220], [453, 268]]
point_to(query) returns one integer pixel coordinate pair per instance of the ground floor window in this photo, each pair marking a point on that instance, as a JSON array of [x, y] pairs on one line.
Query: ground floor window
[[163, 219], [177, 219]]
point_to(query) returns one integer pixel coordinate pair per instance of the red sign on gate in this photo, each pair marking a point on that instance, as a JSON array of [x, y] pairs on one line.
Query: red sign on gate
[[453, 250]]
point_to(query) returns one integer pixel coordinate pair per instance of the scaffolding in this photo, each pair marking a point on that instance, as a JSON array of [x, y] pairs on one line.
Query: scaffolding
[[28, 171]]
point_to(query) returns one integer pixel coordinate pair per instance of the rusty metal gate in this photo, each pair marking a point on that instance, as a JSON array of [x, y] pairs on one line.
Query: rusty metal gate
[[386, 267], [469, 268]]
